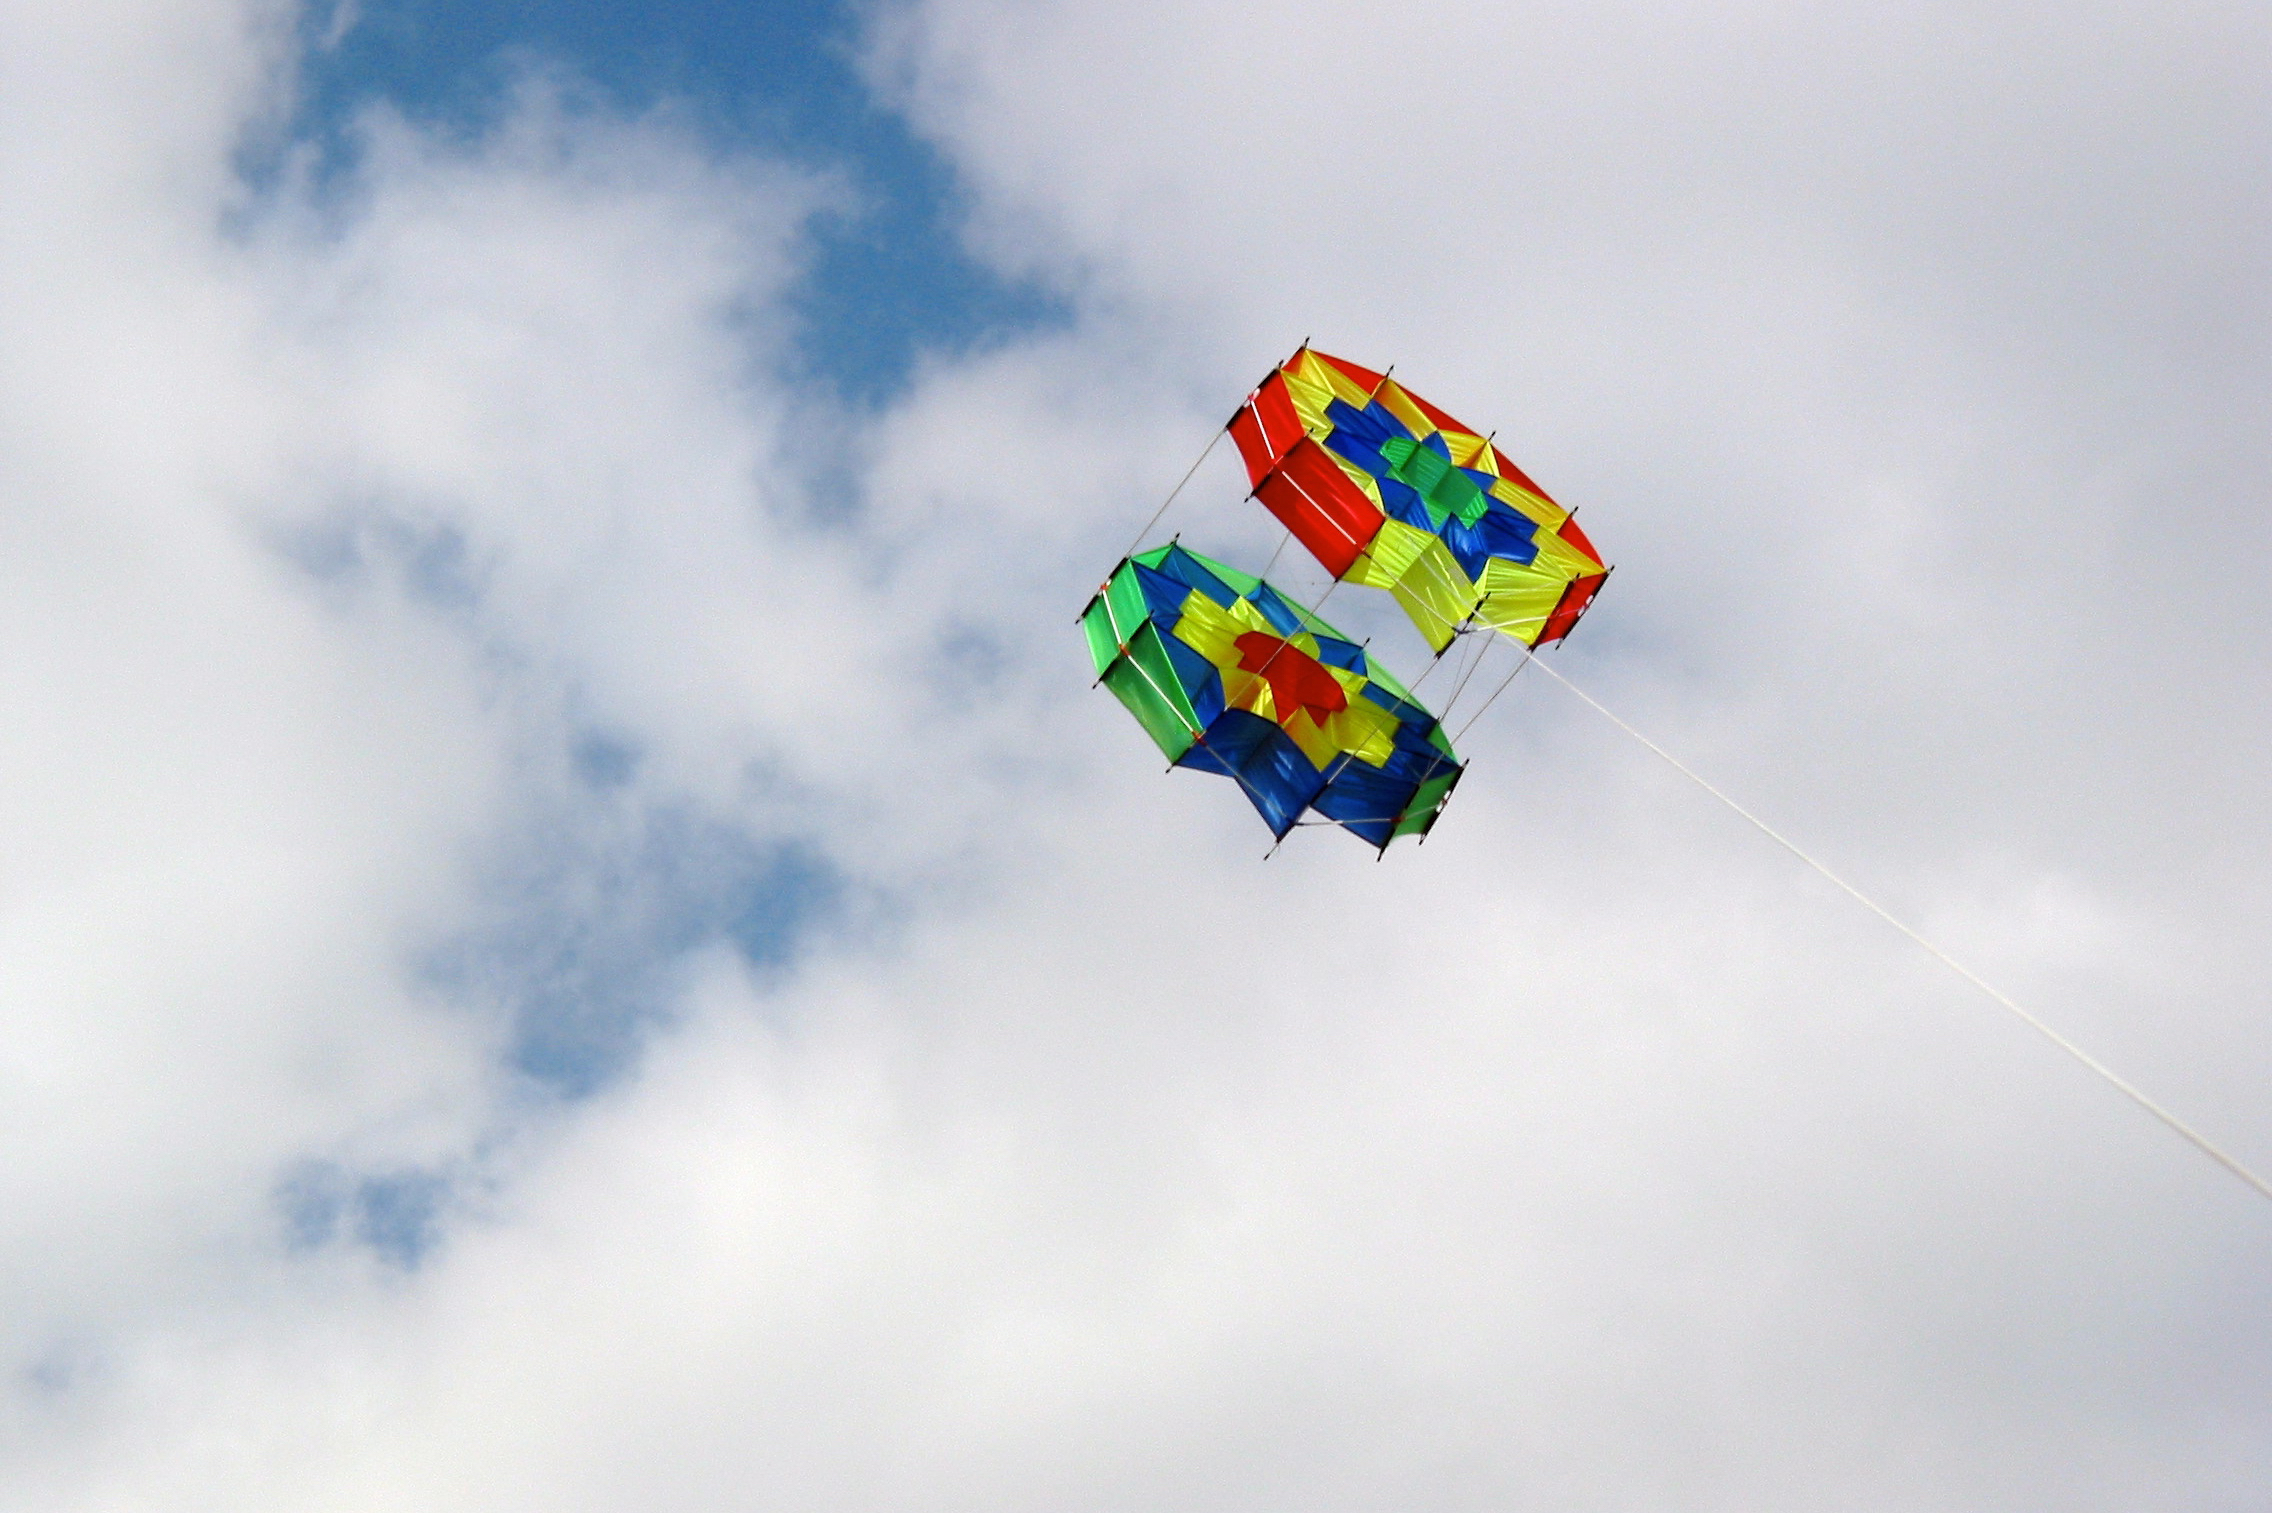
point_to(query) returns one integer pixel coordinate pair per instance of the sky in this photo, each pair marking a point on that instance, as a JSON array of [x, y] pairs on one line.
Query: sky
[[575, 936]]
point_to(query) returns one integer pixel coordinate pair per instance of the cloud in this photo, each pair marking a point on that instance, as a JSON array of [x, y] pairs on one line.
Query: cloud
[[382, 671], [560, 961]]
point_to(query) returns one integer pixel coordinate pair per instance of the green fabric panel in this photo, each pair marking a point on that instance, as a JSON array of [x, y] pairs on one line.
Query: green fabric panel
[[1468, 500], [1422, 811], [1447, 490], [1381, 675], [1147, 652], [1126, 598], [1239, 583], [1104, 647], [1143, 681]]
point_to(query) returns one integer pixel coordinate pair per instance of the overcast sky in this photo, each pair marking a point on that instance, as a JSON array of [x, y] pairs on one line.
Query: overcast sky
[[573, 935]]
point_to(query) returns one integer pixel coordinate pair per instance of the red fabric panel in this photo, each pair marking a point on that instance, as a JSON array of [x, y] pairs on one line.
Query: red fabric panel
[[1315, 500], [1247, 432], [1508, 470], [1568, 531], [1295, 678], [1575, 598], [1365, 377], [1266, 426]]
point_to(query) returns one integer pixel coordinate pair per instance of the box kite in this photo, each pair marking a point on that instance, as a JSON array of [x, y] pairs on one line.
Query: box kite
[[1229, 676], [1386, 490]]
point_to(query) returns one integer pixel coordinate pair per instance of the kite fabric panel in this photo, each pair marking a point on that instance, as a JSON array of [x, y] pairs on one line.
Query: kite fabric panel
[[1229, 676], [1386, 490]]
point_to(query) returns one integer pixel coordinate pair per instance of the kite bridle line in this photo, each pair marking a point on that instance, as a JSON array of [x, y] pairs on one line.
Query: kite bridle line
[[2105, 1073], [1189, 473], [1283, 542], [1473, 668], [1529, 652]]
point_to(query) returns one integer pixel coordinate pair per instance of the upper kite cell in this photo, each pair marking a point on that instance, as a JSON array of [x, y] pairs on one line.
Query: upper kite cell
[[1386, 490]]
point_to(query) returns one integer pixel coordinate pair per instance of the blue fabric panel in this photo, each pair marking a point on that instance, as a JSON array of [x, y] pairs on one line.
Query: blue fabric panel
[[1270, 769], [1184, 567], [1358, 451], [1401, 501], [1468, 547], [1381, 415], [1418, 762], [1358, 434], [1371, 426], [1163, 596], [1435, 442], [1200, 680], [1508, 533], [1346, 655], [1233, 738], [1481, 480], [1406, 713], [1366, 800], [1282, 620]]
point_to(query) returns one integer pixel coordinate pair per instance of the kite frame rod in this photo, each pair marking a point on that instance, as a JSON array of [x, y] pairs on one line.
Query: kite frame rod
[[2190, 1135]]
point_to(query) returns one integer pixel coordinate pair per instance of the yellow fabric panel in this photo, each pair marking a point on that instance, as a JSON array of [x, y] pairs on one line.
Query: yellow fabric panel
[[1437, 615], [1390, 554], [1210, 630], [1420, 570], [1470, 451], [1344, 387], [1364, 730], [1361, 478], [1518, 599], [1315, 743], [1213, 631], [1311, 383], [1437, 564], [1398, 403], [1250, 692], [1514, 495], [1558, 556]]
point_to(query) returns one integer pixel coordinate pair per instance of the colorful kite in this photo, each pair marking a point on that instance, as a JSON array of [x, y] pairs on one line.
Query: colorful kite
[[1229, 676], [1385, 489]]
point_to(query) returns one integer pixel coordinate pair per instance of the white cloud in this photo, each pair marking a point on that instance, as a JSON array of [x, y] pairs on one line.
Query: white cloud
[[412, 617]]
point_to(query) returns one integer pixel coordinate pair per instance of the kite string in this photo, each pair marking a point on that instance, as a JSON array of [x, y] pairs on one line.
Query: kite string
[[1207, 452], [1283, 542], [2199, 1141]]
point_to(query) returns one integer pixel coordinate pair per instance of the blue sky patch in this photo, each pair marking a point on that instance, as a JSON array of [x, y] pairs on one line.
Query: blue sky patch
[[586, 959], [889, 280], [397, 1214]]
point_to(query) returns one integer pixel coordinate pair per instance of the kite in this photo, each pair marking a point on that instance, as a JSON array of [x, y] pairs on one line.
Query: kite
[[1229, 676], [1386, 490]]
